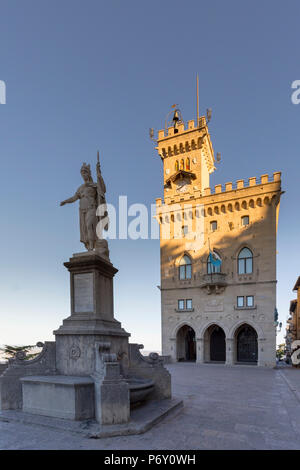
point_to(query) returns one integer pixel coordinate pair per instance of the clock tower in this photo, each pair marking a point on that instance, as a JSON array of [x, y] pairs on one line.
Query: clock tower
[[187, 156]]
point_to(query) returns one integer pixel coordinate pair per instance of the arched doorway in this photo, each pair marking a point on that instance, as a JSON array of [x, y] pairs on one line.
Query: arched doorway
[[217, 345], [186, 344], [246, 344], [214, 344]]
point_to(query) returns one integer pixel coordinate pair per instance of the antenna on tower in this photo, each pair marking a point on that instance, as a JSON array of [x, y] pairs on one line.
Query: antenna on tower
[[151, 135], [197, 100]]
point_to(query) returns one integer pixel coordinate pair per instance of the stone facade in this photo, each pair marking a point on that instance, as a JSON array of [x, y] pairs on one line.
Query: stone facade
[[221, 314]]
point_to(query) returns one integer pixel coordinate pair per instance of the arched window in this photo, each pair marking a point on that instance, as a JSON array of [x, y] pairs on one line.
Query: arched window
[[176, 165], [182, 164], [245, 261], [211, 268], [185, 268], [188, 164]]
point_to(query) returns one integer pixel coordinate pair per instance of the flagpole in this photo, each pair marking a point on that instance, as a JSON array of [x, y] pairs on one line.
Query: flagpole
[[197, 101]]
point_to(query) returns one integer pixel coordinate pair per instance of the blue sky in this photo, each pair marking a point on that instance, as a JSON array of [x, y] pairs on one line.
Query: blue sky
[[96, 74]]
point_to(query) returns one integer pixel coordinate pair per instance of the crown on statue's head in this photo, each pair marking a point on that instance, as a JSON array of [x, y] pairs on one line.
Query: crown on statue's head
[[85, 168]]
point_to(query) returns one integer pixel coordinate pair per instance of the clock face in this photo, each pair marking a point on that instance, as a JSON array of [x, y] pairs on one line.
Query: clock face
[[182, 185]]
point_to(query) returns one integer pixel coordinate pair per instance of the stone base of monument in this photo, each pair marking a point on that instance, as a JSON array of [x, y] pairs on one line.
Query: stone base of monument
[[141, 420], [60, 396], [90, 376]]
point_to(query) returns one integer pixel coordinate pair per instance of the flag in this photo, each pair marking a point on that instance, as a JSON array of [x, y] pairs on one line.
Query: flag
[[215, 259]]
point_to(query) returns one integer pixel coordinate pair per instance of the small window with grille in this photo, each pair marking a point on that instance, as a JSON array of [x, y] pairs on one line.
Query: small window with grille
[[213, 226], [245, 220]]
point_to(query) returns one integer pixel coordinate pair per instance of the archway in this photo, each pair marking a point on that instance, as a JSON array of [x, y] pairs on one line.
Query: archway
[[214, 344], [246, 344], [186, 344]]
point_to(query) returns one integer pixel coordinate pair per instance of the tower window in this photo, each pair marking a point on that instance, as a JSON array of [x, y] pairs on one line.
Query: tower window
[[245, 261], [240, 301], [181, 304], [189, 304], [185, 268], [250, 301], [213, 226], [245, 220], [176, 165], [188, 164], [182, 164], [185, 230]]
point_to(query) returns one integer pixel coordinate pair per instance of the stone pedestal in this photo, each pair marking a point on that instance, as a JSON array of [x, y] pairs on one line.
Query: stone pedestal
[[92, 316], [90, 372]]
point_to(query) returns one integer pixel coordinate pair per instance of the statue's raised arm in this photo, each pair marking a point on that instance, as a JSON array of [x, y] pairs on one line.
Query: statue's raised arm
[[70, 200]]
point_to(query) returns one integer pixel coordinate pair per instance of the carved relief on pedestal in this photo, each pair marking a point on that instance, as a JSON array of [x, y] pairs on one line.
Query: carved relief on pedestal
[[75, 351]]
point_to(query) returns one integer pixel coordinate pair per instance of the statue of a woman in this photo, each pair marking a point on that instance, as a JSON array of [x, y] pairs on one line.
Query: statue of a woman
[[91, 195]]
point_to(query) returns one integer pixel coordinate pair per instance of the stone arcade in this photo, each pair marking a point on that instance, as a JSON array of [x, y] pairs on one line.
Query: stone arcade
[[90, 372]]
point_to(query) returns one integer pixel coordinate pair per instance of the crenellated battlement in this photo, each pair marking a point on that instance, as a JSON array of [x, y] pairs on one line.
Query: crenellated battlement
[[184, 139], [239, 189], [240, 184], [190, 141], [182, 128]]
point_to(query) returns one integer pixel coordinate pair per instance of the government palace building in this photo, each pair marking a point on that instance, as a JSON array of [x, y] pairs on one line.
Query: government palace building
[[217, 252]]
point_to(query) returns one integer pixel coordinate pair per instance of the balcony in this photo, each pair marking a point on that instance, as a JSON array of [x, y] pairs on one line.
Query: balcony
[[214, 282]]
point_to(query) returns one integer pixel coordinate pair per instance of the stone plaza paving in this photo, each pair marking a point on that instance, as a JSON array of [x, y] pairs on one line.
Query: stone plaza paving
[[239, 407]]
